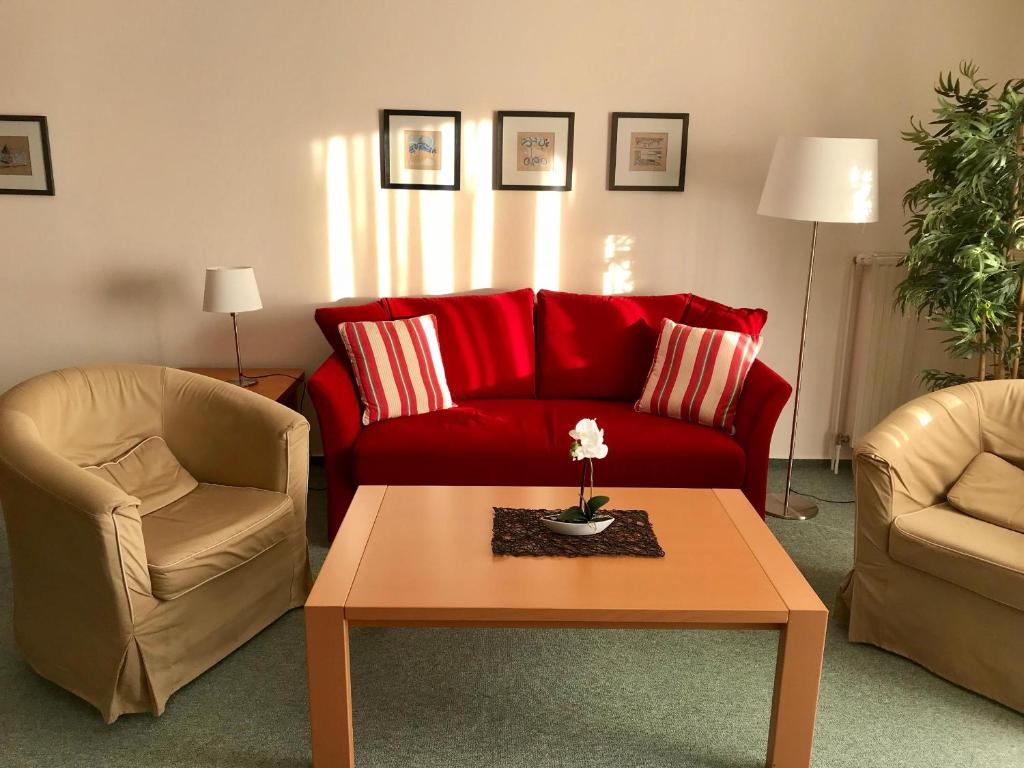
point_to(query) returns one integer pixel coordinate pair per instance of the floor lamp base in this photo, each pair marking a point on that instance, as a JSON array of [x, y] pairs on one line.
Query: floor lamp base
[[800, 507]]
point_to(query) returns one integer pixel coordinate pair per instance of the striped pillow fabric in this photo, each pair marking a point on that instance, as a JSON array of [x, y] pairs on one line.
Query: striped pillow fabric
[[397, 365], [698, 374]]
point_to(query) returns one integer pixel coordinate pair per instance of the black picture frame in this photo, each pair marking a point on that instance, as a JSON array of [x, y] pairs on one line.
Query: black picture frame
[[613, 141], [385, 148], [499, 130], [44, 135]]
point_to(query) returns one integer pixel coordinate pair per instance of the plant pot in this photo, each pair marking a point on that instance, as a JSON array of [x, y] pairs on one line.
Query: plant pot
[[596, 525]]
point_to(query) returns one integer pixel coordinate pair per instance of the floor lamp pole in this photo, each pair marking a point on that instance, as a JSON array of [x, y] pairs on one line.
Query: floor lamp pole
[[789, 505]]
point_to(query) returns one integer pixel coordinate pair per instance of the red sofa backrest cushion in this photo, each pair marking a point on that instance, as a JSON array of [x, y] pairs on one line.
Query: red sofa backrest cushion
[[329, 318], [487, 341], [705, 313], [599, 346]]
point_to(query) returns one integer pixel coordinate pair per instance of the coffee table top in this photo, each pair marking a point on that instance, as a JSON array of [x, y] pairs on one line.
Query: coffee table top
[[413, 555]]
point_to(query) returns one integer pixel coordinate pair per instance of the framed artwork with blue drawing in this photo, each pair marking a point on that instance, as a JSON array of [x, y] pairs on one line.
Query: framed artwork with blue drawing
[[533, 150], [647, 151], [420, 149]]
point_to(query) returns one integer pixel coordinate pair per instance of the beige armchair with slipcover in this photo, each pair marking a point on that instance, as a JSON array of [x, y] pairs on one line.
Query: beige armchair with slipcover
[[939, 551], [156, 522]]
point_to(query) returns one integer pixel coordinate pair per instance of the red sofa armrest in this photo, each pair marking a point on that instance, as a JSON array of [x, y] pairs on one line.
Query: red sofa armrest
[[336, 400], [765, 394]]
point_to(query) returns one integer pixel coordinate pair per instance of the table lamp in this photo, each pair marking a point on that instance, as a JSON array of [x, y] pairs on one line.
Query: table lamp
[[818, 180], [230, 290]]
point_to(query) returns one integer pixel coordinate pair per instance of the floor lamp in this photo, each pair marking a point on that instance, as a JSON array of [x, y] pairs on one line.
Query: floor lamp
[[822, 181]]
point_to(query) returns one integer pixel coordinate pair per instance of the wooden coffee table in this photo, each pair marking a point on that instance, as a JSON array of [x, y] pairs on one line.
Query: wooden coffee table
[[421, 557]]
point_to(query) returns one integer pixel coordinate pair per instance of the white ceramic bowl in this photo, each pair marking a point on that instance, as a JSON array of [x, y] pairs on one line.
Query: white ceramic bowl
[[577, 529]]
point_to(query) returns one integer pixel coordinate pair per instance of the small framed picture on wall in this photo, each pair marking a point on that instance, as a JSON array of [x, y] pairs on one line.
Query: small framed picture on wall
[[420, 149], [25, 156], [647, 151], [533, 150]]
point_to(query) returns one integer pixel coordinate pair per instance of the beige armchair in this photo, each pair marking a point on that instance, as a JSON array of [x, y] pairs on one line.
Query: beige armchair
[[932, 583], [156, 522]]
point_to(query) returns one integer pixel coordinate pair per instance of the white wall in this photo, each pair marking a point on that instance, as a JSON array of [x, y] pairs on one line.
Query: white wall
[[187, 133]]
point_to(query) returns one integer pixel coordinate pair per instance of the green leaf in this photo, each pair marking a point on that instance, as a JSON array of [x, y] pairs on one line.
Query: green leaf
[[572, 515], [596, 503]]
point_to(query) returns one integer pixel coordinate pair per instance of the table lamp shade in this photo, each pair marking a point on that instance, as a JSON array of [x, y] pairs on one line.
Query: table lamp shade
[[819, 179], [231, 289]]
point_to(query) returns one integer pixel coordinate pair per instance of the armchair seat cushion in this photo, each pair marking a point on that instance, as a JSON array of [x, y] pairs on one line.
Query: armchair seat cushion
[[210, 531], [973, 554], [517, 442]]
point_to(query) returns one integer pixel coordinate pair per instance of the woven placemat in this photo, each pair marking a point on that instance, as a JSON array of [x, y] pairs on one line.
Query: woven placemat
[[520, 532]]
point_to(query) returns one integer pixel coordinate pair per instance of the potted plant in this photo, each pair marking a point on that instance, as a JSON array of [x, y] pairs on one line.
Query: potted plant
[[966, 226], [584, 519]]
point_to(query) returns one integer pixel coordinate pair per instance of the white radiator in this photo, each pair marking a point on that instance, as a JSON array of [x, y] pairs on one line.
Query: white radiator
[[885, 351]]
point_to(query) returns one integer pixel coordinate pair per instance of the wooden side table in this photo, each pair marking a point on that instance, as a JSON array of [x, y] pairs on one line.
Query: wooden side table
[[282, 385]]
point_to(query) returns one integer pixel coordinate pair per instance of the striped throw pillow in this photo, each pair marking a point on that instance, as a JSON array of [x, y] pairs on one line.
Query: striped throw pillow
[[397, 365], [698, 374]]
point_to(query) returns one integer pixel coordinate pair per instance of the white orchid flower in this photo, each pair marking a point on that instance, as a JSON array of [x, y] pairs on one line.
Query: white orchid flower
[[589, 440]]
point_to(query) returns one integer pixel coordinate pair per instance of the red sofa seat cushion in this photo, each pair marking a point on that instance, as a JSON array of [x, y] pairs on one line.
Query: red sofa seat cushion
[[526, 442], [487, 341], [599, 346]]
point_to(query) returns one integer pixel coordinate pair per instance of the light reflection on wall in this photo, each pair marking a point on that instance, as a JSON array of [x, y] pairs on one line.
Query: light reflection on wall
[[477, 170], [547, 236], [397, 242], [382, 226], [340, 264], [618, 273], [359, 180], [437, 241], [401, 211]]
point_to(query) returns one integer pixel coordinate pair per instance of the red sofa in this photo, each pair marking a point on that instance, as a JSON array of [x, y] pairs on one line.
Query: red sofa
[[523, 369]]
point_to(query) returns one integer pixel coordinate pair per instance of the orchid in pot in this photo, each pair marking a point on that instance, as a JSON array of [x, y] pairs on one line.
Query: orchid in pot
[[584, 518]]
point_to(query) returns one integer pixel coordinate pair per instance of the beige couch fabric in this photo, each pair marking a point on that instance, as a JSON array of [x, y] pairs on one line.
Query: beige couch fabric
[[209, 532], [87, 614], [150, 472], [930, 583], [981, 557], [991, 489]]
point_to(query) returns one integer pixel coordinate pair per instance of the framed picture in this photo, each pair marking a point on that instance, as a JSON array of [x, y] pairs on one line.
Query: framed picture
[[25, 156], [648, 151], [420, 149], [533, 150]]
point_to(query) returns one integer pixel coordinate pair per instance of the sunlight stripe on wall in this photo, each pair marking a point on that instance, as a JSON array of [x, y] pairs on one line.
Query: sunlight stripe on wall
[[340, 265]]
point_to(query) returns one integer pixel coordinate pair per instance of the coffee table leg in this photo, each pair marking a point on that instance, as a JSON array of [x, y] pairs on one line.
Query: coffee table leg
[[795, 702], [330, 687]]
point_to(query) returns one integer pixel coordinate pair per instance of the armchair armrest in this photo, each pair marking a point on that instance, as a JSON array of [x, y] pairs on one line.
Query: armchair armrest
[[78, 558], [913, 457], [336, 400], [224, 434], [765, 394]]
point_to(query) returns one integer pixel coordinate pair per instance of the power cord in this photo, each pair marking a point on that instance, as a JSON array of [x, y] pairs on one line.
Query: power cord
[[827, 501], [302, 379]]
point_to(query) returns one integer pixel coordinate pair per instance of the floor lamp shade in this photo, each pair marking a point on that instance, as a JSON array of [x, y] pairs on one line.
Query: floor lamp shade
[[824, 180], [231, 289]]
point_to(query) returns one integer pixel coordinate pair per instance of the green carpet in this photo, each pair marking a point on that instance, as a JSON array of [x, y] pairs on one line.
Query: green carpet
[[474, 698]]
